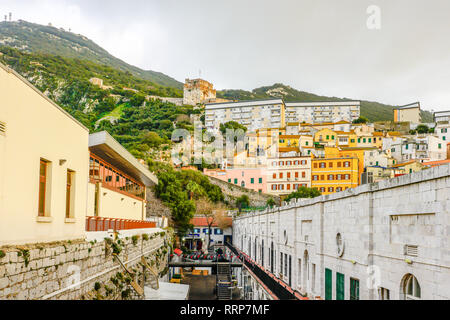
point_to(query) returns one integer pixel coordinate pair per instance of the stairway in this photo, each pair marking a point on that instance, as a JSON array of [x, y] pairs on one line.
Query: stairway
[[224, 281]]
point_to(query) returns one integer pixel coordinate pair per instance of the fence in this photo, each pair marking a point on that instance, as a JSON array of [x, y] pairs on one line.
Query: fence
[[280, 290], [105, 224]]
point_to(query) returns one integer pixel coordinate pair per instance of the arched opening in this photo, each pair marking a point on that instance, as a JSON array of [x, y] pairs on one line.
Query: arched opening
[[305, 281], [262, 253], [410, 288], [271, 257]]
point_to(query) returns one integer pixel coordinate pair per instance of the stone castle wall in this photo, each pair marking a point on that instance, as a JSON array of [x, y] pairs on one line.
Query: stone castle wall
[[88, 269]]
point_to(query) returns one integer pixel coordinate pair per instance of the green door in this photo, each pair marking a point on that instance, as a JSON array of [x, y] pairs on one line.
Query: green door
[[340, 293], [328, 284]]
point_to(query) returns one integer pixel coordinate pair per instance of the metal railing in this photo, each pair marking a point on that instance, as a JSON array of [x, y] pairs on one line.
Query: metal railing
[[105, 224], [279, 289]]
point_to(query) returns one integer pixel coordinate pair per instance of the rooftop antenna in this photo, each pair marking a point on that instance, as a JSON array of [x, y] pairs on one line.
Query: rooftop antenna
[[200, 73], [6, 18], [10, 17]]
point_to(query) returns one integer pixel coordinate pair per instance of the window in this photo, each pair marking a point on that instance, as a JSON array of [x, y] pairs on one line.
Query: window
[[339, 165], [260, 180], [354, 289], [235, 181], [383, 294], [315, 165], [243, 184], [229, 180], [100, 171], [43, 187], [296, 174], [313, 278], [330, 189], [322, 190], [315, 178], [330, 165], [70, 194], [288, 187], [440, 146], [205, 231], [252, 180], [411, 288], [288, 175], [323, 165], [218, 231], [330, 177], [346, 164], [274, 176], [303, 174], [281, 175]]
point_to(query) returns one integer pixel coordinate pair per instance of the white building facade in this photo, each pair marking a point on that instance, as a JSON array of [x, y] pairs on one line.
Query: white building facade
[[251, 114], [320, 112], [384, 241]]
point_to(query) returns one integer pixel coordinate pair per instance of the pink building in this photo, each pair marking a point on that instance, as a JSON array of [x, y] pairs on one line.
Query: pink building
[[250, 178]]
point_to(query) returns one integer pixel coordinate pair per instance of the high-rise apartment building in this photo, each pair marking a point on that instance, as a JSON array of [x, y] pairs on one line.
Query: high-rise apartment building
[[252, 114]]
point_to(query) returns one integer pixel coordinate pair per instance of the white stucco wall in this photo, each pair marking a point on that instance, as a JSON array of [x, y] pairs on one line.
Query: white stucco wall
[[376, 222]]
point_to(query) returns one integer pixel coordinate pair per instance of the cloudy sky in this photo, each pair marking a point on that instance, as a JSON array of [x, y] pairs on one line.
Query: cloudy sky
[[320, 46]]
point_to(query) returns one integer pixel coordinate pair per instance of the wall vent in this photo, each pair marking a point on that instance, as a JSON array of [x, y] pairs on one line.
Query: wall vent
[[411, 250], [2, 128]]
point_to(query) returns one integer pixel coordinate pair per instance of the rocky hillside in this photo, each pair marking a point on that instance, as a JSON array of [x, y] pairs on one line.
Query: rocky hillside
[[35, 38], [373, 111]]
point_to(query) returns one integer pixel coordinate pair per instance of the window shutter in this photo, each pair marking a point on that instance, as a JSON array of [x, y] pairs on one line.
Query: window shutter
[[2, 128]]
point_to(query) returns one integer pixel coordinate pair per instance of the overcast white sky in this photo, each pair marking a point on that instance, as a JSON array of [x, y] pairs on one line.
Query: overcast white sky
[[319, 46]]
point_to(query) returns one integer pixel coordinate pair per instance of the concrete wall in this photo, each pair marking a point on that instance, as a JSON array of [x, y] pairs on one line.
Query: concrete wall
[[113, 204], [35, 129], [375, 222]]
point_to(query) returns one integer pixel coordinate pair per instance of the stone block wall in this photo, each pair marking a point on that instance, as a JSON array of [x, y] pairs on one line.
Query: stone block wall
[[232, 192], [80, 269]]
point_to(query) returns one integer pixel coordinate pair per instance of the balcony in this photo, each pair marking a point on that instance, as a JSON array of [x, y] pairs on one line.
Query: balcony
[[105, 224]]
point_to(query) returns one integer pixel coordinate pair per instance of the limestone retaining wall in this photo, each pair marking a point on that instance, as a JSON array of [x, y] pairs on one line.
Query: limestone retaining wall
[[80, 269]]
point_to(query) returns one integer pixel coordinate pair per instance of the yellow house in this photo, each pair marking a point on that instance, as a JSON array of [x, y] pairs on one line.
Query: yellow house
[[409, 167], [326, 137], [346, 139], [378, 139], [43, 166], [289, 141], [331, 175]]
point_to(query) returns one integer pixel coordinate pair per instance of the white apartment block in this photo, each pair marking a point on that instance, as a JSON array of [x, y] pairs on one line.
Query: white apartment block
[[320, 112], [442, 128], [252, 114]]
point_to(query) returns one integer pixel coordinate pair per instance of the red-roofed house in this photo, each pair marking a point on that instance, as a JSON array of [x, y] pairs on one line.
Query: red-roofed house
[[197, 239]]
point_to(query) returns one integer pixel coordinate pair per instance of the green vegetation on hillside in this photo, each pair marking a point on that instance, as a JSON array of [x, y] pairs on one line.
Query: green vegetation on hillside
[[37, 38], [142, 125], [179, 190]]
